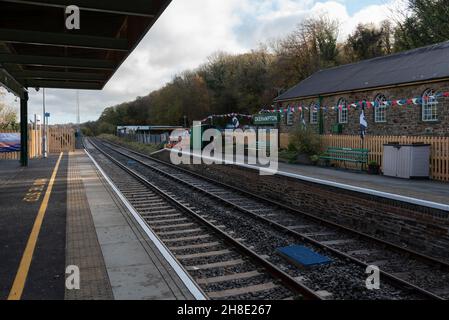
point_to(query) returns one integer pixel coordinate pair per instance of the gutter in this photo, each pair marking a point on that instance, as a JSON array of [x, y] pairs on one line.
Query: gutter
[[406, 84]]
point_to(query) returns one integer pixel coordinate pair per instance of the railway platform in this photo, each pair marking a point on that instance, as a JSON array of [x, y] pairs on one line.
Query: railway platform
[[60, 214], [328, 218], [424, 192]]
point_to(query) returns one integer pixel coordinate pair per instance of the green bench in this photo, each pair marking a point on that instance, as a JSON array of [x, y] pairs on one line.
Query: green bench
[[347, 155]]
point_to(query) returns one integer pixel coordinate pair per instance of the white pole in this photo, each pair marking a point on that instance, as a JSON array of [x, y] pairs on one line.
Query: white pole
[[36, 143], [44, 133], [78, 108]]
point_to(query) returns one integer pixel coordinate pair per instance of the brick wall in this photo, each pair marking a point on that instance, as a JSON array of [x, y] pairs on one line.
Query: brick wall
[[420, 228], [399, 120]]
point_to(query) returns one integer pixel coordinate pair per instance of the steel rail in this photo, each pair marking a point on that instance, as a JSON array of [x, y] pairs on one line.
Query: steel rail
[[277, 273], [280, 227], [397, 248], [391, 245], [175, 264]]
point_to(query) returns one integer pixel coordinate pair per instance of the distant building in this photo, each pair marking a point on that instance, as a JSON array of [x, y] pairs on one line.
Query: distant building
[[146, 129], [327, 95], [147, 134]]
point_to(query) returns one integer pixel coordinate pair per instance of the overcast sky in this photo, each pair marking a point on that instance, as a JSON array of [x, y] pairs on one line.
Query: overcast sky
[[191, 30]]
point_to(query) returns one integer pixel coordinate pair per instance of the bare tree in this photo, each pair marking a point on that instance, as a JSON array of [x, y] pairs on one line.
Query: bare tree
[[311, 47], [8, 117]]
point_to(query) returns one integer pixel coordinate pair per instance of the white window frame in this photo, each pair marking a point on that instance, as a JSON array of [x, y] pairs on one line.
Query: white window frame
[[429, 107], [380, 112], [343, 113], [289, 115], [313, 114]]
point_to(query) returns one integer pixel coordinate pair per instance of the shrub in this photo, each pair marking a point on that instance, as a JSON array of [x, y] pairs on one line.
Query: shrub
[[306, 141], [288, 155], [315, 158], [291, 147], [139, 147]]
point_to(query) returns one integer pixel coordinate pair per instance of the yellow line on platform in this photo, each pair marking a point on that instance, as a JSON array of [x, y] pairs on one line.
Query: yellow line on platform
[[24, 267]]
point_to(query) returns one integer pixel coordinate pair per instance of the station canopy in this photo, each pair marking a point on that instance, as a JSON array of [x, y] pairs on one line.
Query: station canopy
[[38, 51]]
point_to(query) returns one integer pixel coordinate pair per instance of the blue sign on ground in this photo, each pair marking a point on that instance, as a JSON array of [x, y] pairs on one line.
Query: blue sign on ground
[[9, 142], [303, 255]]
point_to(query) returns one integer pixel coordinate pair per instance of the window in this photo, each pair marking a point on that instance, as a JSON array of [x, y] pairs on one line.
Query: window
[[380, 109], [429, 106], [283, 116], [342, 111], [313, 113], [289, 118]]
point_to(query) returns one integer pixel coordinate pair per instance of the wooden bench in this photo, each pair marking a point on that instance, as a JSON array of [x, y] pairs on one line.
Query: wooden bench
[[347, 155]]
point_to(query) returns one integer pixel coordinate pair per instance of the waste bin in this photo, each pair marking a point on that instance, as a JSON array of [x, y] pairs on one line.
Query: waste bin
[[409, 161]]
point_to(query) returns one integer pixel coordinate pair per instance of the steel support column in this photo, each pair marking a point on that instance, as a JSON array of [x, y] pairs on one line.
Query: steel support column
[[24, 130]]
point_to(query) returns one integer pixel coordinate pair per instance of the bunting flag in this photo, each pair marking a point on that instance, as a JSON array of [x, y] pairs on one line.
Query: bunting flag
[[229, 115], [362, 104]]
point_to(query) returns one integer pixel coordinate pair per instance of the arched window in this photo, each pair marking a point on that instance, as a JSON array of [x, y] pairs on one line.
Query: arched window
[[313, 113], [380, 109], [429, 106], [342, 111]]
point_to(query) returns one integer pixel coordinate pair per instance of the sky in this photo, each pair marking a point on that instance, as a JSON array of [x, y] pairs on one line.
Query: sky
[[188, 32]]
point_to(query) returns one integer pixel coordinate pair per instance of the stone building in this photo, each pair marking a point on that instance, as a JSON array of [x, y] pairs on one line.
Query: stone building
[[332, 100]]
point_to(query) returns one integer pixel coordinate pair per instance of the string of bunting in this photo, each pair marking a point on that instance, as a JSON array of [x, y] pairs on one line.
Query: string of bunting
[[229, 115], [361, 104]]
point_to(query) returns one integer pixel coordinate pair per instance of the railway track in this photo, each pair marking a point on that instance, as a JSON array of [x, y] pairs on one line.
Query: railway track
[[218, 263], [405, 274]]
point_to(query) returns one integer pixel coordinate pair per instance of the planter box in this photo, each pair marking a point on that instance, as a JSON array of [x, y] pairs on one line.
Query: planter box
[[374, 169]]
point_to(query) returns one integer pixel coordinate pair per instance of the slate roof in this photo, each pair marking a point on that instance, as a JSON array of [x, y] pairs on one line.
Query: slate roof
[[427, 63]]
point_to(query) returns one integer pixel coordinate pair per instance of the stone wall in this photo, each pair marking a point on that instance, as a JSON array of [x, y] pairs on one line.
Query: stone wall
[[419, 228], [400, 120]]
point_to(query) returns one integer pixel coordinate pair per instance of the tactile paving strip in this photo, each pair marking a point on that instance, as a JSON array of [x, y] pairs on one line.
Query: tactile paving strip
[[82, 246]]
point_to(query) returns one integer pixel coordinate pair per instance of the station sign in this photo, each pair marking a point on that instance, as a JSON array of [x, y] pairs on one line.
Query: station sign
[[266, 119]]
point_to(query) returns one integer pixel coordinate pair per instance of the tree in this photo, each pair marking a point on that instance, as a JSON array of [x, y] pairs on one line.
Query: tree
[[238, 83], [8, 117], [426, 24], [245, 83], [311, 47], [89, 128], [368, 42], [325, 34]]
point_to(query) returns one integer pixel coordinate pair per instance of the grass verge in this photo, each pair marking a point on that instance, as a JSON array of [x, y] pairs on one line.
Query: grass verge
[[136, 146]]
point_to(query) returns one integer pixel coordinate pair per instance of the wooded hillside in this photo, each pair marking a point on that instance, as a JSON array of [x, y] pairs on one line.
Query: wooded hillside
[[246, 83]]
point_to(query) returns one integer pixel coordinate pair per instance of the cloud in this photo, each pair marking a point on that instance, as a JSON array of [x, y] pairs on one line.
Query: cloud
[[285, 15], [373, 14], [187, 33]]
